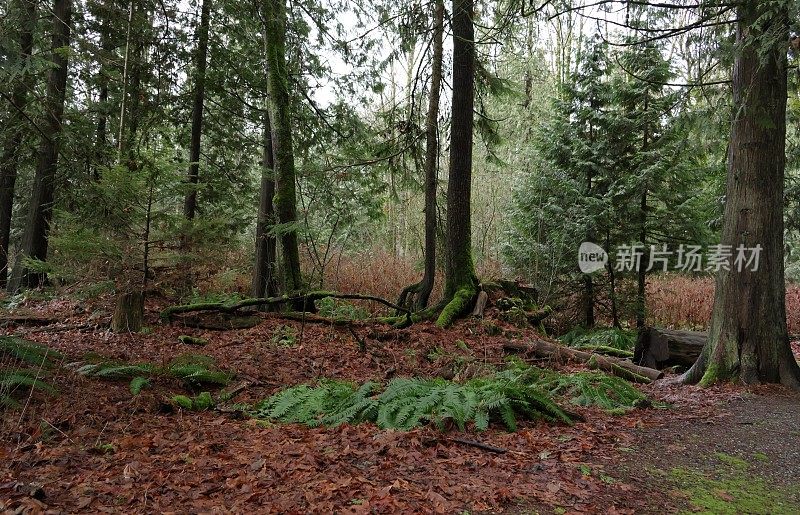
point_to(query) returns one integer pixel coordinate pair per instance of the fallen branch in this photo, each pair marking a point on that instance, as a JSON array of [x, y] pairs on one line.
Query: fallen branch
[[306, 298], [610, 364], [479, 445]]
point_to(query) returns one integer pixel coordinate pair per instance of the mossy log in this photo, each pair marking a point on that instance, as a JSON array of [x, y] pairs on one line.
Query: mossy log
[[560, 353], [129, 313], [306, 300]]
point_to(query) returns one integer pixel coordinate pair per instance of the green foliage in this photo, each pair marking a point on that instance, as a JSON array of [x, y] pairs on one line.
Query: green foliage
[[284, 336], [24, 367], [340, 309], [12, 381], [581, 338], [194, 370], [138, 383], [183, 401], [610, 393], [406, 403], [28, 352]]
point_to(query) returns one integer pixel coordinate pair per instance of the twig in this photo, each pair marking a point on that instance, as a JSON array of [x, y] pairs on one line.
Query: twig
[[479, 445]]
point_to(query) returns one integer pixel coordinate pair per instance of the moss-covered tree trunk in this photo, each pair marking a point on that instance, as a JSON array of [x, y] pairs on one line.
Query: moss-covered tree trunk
[[40, 207], [748, 339], [461, 283], [24, 13], [201, 60], [285, 201]]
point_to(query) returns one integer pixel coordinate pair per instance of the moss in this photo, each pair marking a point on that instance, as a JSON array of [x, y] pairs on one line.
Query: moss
[[760, 456], [460, 304], [191, 340], [733, 461], [203, 401], [710, 376], [183, 401], [732, 489]]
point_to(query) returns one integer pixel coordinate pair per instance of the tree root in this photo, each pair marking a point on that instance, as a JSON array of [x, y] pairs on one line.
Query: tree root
[[460, 304]]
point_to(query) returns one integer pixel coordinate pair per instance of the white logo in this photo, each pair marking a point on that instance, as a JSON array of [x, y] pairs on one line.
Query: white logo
[[591, 257]]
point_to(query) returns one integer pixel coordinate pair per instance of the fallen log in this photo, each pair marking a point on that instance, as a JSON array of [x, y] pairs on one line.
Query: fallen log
[[562, 354], [307, 300], [660, 348]]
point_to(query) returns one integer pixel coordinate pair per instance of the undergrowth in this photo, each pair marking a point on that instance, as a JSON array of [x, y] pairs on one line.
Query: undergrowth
[[517, 393], [194, 370], [24, 367], [581, 338]]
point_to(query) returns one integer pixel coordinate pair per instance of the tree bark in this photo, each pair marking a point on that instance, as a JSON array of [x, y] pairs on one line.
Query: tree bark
[[280, 115], [40, 208], [265, 279], [201, 61], [129, 313], [9, 161], [461, 282], [424, 288], [748, 338]]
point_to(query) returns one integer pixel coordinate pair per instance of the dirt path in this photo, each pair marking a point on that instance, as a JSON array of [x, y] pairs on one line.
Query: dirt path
[[743, 459]]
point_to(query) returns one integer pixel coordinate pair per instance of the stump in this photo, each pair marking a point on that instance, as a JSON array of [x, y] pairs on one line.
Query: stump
[[660, 348], [129, 313]]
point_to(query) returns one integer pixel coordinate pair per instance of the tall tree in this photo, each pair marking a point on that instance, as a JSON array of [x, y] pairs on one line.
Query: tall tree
[[25, 11], [265, 279], [280, 108], [40, 207], [461, 282], [748, 338], [423, 289], [201, 58]]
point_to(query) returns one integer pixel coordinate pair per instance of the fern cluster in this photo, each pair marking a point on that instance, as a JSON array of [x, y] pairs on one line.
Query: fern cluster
[[24, 366], [406, 403], [610, 393], [194, 370], [614, 338]]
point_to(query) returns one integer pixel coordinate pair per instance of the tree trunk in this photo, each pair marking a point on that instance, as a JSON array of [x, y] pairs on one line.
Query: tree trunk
[[588, 301], [201, 58], [280, 115], [129, 313], [461, 283], [9, 161], [424, 288], [40, 208], [641, 272], [432, 159], [265, 280], [748, 339]]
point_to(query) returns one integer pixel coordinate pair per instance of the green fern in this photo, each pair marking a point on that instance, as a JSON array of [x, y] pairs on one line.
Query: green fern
[[610, 393], [14, 381], [116, 370], [406, 403], [28, 352], [193, 369], [138, 383]]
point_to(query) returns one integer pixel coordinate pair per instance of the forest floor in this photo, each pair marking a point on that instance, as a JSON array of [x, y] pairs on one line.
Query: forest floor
[[96, 448]]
